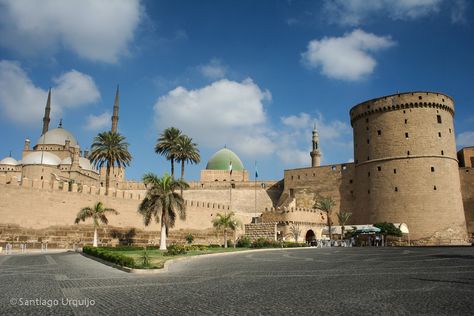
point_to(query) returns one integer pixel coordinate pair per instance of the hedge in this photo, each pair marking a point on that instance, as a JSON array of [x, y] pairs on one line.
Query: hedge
[[116, 258]]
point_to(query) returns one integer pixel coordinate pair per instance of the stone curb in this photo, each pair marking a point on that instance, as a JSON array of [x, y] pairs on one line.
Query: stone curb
[[171, 261]]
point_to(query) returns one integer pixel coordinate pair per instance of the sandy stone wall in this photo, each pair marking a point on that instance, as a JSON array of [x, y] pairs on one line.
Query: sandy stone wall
[[467, 186], [261, 230], [406, 169]]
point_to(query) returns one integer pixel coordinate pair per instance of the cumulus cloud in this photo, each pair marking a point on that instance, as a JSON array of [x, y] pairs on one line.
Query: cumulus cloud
[[356, 12], [233, 113], [213, 70], [94, 30], [465, 139], [23, 102], [347, 57], [224, 112], [98, 122]]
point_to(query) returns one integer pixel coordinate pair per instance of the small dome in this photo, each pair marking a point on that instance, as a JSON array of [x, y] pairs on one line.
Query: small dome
[[57, 136], [9, 161], [41, 157], [84, 163], [221, 160]]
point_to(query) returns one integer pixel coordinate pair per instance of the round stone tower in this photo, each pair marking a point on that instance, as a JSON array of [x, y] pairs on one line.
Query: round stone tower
[[406, 170]]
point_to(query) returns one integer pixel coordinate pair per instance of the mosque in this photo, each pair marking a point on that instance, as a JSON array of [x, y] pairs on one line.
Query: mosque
[[56, 155]]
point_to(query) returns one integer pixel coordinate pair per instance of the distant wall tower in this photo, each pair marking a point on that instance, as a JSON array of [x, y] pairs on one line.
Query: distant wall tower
[[47, 111], [315, 153], [115, 116]]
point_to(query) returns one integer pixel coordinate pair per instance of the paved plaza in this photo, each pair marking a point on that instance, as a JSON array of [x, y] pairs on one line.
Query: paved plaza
[[331, 281]]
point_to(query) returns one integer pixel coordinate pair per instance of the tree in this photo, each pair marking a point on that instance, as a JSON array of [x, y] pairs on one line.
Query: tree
[[166, 145], [225, 222], [343, 218], [325, 204], [186, 151], [97, 213], [109, 149], [295, 231], [387, 229], [162, 203]]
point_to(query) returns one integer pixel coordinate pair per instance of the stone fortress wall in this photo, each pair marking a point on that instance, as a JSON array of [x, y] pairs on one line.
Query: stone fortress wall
[[35, 211]]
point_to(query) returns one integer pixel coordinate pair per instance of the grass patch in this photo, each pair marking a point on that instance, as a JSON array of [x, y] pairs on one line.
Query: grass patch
[[135, 257]]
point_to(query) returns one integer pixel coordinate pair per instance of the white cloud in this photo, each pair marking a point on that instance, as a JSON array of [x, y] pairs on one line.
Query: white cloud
[[24, 103], [356, 12], [98, 122], [346, 57], [94, 30], [465, 139], [214, 69], [224, 112], [458, 11], [232, 113]]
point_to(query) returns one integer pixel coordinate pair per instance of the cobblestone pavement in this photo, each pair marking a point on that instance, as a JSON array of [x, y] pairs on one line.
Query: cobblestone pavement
[[333, 281]]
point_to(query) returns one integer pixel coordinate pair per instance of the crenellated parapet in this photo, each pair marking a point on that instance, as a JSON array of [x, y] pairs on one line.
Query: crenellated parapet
[[307, 216]]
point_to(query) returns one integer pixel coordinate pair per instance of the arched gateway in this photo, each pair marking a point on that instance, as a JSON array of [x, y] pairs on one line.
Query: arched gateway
[[310, 236]]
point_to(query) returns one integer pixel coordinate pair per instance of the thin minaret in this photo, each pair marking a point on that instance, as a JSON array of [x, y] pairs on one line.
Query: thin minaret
[[47, 111], [315, 153], [115, 117]]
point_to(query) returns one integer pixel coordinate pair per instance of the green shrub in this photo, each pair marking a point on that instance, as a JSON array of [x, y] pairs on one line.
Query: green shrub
[[214, 246], [145, 258], [116, 258], [196, 247], [265, 243], [244, 242], [174, 250], [291, 244], [189, 238]]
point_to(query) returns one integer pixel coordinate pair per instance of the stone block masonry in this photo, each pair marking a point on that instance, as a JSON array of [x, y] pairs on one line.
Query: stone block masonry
[[261, 230]]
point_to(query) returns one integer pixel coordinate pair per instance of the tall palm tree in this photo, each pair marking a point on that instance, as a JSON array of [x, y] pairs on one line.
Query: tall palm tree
[[343, 218], [109, 149], [325, 204], [186, 152], [166, 145], [225, 222], [162, 203], [97, 213]]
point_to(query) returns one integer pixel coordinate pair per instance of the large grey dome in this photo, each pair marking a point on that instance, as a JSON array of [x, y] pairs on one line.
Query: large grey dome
[[57, 136], [41, 157], [84, 163], [9, 161]]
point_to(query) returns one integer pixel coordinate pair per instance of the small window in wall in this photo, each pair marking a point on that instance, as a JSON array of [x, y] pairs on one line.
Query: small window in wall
[[368, 191], [432, 169], [292, 193], [404, 112], [408, 153], [420, 97], [41, 177], [442, 152], [368, 141], [379, 132], [379, 168], [291, 177], [406, 135], [368, 158], [449, 131], [314, 174], [298, 177], [368, 174], [439, 119], [350, 181], [233, 185], [435, 188], [367, 120], [406, 121], [396, 189], [439, 134]]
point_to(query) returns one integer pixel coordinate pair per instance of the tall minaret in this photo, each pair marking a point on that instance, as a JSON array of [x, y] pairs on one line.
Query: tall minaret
[[315, 153], [47, 111], [116, 110]]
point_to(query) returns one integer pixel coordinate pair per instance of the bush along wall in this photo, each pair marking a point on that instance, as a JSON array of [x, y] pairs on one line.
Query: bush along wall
[[116, 258]]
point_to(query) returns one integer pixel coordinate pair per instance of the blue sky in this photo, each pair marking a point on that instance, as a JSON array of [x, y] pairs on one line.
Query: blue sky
[[252, 75]]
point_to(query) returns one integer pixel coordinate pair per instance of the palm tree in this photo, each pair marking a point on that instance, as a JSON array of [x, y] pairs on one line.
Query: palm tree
[[343, 217], [295, 231], [97, 213], [166, 145], [186, 152], [325, 204], [162, 203], [225, 222], [109, 149]]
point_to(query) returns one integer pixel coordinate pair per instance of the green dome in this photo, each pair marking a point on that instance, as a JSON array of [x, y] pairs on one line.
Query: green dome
[[221, 160]]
